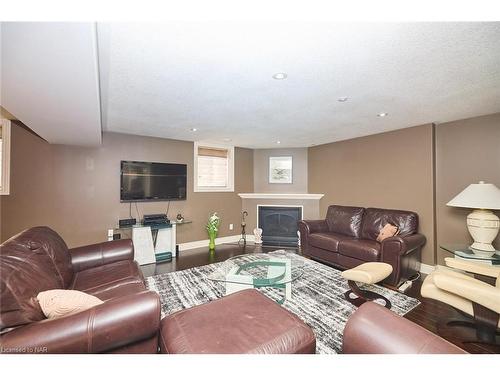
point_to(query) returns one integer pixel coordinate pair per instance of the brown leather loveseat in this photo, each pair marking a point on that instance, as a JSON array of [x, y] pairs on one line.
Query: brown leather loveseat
[[347, 238], [38, 259]]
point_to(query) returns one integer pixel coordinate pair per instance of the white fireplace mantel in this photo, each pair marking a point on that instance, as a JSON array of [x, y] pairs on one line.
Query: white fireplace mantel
[[280, 196]]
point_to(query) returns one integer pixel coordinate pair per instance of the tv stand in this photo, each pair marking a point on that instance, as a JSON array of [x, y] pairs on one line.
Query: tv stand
[[154, 243]]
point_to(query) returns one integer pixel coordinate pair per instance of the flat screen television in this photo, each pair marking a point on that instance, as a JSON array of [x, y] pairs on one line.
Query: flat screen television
[[146, 181]]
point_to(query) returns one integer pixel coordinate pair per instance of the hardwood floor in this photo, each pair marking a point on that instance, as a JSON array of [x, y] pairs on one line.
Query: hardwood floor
[[430, 314]]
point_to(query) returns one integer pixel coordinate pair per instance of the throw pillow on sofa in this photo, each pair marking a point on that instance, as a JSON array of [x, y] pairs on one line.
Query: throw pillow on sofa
[[57, 303], [387, 231]]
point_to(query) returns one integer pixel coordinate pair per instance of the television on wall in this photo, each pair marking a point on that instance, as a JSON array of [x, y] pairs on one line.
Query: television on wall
[[147, 181]]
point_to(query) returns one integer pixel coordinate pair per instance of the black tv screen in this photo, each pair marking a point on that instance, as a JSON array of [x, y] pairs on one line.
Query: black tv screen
[[145, 181]]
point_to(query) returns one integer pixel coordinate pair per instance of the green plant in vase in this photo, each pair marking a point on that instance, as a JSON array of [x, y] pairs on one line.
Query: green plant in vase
[[212, 229]]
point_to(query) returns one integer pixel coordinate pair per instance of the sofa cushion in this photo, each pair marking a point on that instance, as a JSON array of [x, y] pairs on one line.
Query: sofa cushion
[[345, 220], [45, 240], [24, 274], [118, 290], [375, 219], [327, 241], [99, 279], [366, 250]]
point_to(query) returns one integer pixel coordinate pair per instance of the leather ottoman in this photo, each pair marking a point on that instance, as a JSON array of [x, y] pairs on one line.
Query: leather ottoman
[[243, 322]]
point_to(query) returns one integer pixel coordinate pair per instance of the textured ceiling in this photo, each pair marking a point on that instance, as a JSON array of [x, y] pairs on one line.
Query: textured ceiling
[[163, 79]]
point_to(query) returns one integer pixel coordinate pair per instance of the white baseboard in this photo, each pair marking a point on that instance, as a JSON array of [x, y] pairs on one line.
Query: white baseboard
[[425, 268], [218, 241]]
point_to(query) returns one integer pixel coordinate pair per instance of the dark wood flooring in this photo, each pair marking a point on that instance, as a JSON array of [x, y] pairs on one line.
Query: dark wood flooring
[[430, 314]]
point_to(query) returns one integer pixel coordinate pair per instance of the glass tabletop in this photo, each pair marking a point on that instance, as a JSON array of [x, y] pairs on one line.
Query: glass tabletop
[[260, 270], [464, 251]]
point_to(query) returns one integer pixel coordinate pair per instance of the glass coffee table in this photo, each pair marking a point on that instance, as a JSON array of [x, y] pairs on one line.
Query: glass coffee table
[[273, 270]]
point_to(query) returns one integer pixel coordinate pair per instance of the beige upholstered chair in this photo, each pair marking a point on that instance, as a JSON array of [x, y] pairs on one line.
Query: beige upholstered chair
[[473, 289]]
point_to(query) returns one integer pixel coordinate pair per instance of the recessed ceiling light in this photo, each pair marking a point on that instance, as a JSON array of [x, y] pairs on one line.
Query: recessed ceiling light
[[193, 129], [278, 142], [382, 114], [280, 76], [343, 99]]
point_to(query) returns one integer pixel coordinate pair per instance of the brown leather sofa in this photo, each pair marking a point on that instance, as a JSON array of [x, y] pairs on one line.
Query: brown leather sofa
[[38, 259], [347, 238], [373, 329]]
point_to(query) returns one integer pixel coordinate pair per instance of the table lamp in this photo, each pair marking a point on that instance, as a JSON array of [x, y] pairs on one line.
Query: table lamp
[[483, 224]]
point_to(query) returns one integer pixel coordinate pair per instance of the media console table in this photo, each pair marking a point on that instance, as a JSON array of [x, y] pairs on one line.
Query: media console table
[[154, 243]]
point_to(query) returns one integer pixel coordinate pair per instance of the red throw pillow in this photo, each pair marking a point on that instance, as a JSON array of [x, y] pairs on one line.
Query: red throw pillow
[[387, 231]]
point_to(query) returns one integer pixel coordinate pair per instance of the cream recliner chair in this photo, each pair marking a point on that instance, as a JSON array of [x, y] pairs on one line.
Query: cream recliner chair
[[476, 295]]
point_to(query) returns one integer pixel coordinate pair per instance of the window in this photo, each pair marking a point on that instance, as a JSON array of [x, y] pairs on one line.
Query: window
[[213, 167], [4, 156]]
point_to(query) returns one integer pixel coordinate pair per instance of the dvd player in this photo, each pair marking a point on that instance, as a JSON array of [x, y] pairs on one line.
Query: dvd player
[[123, 223], [155, 219]]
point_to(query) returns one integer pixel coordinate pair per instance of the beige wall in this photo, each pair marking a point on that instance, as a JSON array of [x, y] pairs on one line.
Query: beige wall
[[467, 151], [299, 170], [75, 190], [388, 170], [1, 219]]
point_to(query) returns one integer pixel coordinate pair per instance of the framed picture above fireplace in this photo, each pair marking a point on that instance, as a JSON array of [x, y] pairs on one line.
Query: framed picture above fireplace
[[280, 169]]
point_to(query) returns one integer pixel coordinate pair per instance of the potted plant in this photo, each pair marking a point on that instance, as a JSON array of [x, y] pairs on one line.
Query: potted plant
[[212, 229]]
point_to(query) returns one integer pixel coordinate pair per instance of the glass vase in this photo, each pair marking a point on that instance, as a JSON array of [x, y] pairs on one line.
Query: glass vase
[[211, 243]]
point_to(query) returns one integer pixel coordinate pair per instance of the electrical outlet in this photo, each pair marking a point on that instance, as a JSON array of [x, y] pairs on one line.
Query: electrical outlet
[[110, 234], [231, 227]]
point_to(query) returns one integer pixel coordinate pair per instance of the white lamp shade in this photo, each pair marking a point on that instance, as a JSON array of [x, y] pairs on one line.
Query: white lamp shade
[[481, 195]]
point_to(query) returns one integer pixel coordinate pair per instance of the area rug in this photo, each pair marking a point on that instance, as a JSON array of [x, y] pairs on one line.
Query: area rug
[[317, 297]]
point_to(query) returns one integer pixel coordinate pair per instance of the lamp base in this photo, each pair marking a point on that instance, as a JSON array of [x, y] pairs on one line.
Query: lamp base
[[483, 226]]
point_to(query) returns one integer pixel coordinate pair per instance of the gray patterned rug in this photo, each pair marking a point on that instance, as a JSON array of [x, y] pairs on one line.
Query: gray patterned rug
[[317, 298]]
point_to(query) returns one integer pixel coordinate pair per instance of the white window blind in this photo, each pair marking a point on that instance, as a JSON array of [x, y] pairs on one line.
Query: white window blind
[[213, 167]]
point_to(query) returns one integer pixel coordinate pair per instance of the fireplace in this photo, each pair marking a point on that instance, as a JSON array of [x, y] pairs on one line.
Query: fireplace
[[279, 225]]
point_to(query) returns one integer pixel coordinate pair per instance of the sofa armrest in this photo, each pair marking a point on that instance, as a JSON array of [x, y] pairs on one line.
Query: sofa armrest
[[373, 329], [403, 245], [474, 290], [101, 253], [113, 324], [403, 254], [473, 267], [313, 226]]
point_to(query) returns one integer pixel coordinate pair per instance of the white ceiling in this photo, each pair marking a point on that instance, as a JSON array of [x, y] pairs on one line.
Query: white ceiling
[[49, 79], [163, 79]]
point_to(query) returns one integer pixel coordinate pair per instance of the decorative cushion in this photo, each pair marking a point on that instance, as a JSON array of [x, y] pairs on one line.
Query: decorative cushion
[[374, 220], [57, 303], [387, 231]]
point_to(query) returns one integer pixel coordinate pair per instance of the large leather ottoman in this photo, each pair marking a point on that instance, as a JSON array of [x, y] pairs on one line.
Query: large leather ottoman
[[243, 322]]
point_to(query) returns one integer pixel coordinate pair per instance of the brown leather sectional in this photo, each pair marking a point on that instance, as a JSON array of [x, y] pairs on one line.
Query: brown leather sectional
[[347, 236], [38, 259], [373, 329], [129, 319]]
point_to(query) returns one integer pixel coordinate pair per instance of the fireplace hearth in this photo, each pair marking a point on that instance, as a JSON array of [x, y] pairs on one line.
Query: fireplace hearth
[[279, 225]]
